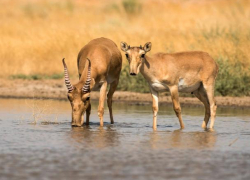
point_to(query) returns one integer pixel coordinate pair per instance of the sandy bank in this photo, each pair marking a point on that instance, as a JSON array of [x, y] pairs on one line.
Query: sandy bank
[[55, 89]]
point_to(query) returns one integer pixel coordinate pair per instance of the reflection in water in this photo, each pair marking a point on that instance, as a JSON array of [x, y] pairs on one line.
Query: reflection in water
[[98, 137], [182, 139], [155, 140], [193, 140]]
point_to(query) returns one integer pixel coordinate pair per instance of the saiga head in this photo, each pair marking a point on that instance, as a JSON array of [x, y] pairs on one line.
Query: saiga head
[[78, 98], [135, 56]]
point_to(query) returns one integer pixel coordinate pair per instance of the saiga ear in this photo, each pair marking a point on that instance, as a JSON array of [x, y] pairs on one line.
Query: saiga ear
[[124, 46], [147, 46]]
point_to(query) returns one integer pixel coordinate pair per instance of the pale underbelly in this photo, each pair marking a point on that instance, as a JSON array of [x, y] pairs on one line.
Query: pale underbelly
[[157, 86], [160, 87], [188, 88]]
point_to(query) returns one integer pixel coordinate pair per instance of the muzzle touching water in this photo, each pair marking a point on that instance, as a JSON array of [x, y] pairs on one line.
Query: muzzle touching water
[[75, 95], [77, 120]]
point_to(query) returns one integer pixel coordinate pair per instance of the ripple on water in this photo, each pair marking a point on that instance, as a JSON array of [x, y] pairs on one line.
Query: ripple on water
[[128, 149]]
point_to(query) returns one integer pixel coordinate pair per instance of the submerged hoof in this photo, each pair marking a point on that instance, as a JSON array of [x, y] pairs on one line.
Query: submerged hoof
[[76, 125]]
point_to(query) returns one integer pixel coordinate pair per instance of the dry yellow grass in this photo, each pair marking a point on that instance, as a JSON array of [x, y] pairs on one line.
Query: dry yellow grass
[[36, 35]]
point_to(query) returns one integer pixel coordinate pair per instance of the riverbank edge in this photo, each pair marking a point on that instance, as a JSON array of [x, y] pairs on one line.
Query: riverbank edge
[[56, 90]]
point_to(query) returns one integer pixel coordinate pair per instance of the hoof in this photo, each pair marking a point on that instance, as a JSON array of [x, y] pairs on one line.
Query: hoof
[[210, 130], [76, 125], [204, 126]]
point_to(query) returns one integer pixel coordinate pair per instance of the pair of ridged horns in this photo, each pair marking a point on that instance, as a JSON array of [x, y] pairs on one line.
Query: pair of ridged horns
[[86, 87]]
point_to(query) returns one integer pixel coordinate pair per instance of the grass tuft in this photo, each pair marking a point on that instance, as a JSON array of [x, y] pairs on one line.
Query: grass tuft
[[37, 76], [132, 83], [132, 6], [233, 79]]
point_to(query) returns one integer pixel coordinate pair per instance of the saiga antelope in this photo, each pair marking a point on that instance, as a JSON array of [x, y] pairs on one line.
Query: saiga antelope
[[193, 72], [99, 64]]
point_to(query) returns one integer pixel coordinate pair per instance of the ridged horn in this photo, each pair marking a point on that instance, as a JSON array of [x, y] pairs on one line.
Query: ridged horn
[[86, 87], [66, 77]]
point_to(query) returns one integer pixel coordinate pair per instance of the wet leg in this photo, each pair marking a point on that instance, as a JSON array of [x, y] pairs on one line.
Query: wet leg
[[210, 95], [112, 89], [101, 102], [88, 111], [202, 96], [176, 104], [154, 107]]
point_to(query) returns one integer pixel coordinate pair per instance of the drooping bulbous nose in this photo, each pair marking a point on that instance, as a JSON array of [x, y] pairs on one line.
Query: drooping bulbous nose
[[133, 68]]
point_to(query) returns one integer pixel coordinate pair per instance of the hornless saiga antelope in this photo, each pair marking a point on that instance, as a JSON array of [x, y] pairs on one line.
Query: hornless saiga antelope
[[99, 64], [193, 72]]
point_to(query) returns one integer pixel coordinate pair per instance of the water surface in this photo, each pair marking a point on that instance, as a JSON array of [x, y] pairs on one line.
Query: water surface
[[37, 142]]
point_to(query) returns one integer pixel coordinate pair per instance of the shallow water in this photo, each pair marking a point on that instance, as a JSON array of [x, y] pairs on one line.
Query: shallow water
[[37, 142]]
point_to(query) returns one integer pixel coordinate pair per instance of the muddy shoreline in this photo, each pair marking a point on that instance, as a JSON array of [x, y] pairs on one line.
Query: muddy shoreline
[[55, 89]]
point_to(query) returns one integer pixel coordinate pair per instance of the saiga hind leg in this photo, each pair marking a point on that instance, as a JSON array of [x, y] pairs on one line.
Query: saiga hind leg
[[202, 96], [112, 89], [210, 94], [176, 104], [209, 87]]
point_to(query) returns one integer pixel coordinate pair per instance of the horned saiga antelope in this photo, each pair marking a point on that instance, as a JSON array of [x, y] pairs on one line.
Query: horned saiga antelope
[[193, 72], [99, 64]]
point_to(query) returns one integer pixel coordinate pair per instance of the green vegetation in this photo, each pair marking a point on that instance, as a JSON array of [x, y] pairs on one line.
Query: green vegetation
[[233, 79], [131, 6], [132, 83], [37, 76]]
